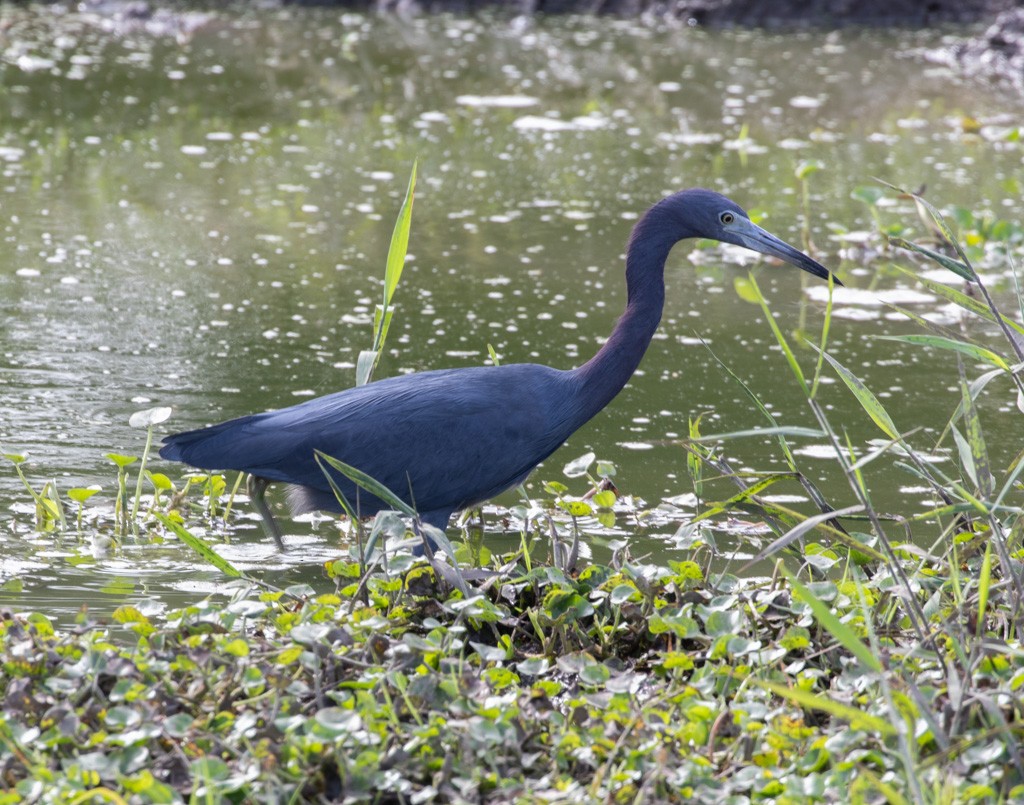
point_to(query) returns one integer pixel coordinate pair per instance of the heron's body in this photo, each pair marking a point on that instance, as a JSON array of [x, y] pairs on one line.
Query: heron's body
[[450, 439]]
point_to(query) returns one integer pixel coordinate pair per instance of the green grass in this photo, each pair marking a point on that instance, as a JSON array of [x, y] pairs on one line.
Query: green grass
[[878, 660]]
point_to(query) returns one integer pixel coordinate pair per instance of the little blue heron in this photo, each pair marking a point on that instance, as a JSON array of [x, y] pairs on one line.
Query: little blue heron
[[450, 439]]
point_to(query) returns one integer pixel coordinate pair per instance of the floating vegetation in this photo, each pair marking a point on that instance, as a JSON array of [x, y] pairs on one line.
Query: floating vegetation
[[880, 659]]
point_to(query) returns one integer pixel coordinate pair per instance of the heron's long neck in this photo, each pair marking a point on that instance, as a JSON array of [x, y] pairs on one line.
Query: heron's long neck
[[604, 375]]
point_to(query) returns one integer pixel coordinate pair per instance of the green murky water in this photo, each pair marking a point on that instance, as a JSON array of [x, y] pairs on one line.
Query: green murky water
[[199, 218]]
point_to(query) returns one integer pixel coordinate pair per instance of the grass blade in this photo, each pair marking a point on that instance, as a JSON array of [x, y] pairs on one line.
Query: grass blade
[[782, 430], [780, 338], [399, 242], [200, 546], [364, 481], [968, 303], [382, 314], [976, 440], [869, 402], [971, 350], [798, 531], [857, 719], [948, 263]]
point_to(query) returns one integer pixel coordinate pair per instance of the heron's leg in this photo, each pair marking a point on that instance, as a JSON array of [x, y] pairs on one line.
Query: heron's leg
[[257, 488]]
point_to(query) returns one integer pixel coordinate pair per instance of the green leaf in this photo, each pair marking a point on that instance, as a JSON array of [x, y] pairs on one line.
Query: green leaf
[[975, 306], [200, 546], [575, 508], [745, 290], [149, 417], [365, 364], [869, 402], [579, 466], [399, 242], [948, 263], [976, 442], [835, 627], [781, 339], [604, 499], [978, 353], [121, 461], [81, 494], [756, 433], [857, 719], [984, 583], [869, 194], [806, 167], [364, 481]]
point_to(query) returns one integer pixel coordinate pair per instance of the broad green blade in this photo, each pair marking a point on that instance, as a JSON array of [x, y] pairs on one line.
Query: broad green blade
[[364, 481], [399, 242], [869, 402], [835, 627], [939, 342], [948, 263], [858, 719], [200, 546]]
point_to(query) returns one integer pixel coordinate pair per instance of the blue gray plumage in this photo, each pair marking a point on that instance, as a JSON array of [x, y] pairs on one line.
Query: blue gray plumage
[[450, 439]]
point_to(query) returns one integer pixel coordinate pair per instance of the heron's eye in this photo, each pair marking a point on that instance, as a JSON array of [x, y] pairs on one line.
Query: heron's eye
[[726, 218]]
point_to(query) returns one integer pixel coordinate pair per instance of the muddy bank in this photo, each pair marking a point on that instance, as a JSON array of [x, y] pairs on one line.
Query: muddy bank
[[997, 54]]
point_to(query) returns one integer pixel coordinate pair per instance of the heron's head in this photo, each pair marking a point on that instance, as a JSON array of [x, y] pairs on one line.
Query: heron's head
[[707, 214]]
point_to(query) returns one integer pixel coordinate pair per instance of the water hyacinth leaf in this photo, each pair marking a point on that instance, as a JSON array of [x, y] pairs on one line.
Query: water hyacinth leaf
[[121, 461], [980, 354], [745, 290], [808, 167], [835, 627], [868, 401], [575, 508], [604, 499], [199, 546], [149, 417], [869, 194], [948, 263], [81, 494], [578, 467], [160, 481]]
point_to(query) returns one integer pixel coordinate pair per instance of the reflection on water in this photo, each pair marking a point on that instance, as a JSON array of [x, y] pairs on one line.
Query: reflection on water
[[200, 220]]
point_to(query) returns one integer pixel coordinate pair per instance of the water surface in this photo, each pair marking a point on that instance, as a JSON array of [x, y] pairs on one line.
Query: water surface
[[200, 221]]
